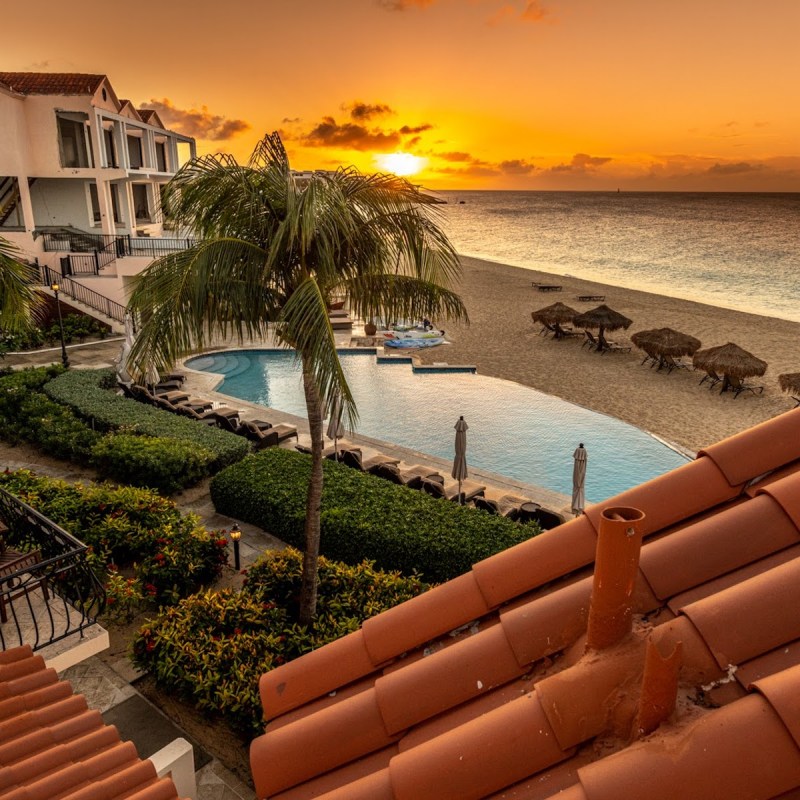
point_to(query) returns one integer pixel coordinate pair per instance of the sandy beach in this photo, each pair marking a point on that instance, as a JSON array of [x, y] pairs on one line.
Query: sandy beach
[[502, 341]]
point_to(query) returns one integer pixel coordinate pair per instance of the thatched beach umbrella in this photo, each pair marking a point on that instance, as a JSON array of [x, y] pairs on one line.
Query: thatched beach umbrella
[[790, 383], [647, 341], [555, 315], [603, 318], [731, 361], [673, 343], [659, 343]]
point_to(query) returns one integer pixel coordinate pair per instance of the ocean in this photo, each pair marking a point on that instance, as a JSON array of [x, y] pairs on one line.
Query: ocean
[[739, 251]]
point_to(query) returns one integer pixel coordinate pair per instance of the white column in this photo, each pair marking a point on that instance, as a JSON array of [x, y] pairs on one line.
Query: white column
[[25, 203]]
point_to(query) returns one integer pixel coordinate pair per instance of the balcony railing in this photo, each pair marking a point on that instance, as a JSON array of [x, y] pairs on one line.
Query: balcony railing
[[54, 593], [76, 241]]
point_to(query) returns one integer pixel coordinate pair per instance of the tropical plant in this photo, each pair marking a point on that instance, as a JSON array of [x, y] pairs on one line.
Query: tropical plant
[[274, 249], [18, 298]]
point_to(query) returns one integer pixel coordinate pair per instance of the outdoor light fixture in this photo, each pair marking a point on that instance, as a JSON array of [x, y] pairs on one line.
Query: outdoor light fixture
[[236, 534], [54, 286]]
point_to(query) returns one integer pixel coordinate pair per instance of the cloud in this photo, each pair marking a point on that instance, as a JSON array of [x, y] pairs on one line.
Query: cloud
[[402, 5], [454, 156], [409, 129], [581, 162], [738, 168], [534, 12], [364, 111], [356, 134], [290, 120], [200, 124], [516, 166], [329, 133]]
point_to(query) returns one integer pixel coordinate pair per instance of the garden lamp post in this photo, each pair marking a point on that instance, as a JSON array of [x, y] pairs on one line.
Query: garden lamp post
[[236, 534], [64, 359]]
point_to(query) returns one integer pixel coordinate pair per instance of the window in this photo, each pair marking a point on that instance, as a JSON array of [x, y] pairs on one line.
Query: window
[[115, 203], [140, 203], [111, 151], [72, 140], [161, 156], [135, 152], [95, 201]]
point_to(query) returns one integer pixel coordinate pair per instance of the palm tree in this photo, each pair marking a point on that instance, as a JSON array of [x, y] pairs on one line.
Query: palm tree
[[18, 298], [273, 249]]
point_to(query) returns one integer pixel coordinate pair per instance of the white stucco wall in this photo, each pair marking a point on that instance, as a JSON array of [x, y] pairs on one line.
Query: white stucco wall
[[60, 202]]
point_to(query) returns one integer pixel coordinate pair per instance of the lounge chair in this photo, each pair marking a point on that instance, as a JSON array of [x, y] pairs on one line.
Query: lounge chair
[[670, 363], [228, 421], [737, 386], [353, 458], [607, 346], [469, 490], [712, 377], [506, 506], [207, 417], [590, 340], [254, 431], [547, 519], [411, 477]]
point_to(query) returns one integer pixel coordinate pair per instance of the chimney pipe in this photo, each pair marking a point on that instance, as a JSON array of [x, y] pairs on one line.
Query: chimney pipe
[[659, 686], [619, 542]]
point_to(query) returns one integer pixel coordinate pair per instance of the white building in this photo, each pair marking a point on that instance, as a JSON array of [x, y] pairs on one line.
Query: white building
[[80, 178]]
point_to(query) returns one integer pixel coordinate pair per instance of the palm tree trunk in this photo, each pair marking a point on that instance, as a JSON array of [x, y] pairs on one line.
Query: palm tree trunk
[[308, 589]]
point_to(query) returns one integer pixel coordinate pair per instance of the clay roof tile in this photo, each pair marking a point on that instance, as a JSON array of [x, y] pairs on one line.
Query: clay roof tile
[[52, 747], [65, 83]]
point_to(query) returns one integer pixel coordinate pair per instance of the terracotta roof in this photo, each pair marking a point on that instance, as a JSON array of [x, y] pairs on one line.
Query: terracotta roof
[[484, 686], [52, 747], [51, 82]]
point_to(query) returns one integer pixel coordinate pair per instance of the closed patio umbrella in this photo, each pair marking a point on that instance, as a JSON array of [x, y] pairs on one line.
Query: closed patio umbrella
[[603, 318], [579, 479], [123, 375], [555, 315], [731, 361], [459, 472], [335, 428]]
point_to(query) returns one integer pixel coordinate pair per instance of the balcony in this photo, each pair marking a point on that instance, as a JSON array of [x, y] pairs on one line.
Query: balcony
[[49, 596]]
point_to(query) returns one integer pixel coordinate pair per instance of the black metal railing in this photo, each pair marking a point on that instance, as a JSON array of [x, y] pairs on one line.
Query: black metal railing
[[82, 294], [155, 246], [56, 594], [71, 240]]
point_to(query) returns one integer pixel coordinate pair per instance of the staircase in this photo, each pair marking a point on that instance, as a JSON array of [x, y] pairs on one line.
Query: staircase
[[84, 299]]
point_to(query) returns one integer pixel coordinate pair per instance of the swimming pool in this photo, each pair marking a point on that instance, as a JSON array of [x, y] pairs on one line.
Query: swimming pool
[[513, 430]]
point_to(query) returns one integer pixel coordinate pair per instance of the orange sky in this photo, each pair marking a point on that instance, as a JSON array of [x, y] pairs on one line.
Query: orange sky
[[491, 94]]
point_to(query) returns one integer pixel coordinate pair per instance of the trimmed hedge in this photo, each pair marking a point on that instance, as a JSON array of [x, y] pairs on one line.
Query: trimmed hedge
[[89, 393], [28, 415], [363, 516], [165, 465], [213, 647], [171, 553]]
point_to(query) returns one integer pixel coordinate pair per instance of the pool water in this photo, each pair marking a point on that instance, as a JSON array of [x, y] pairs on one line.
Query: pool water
[[513, 430]]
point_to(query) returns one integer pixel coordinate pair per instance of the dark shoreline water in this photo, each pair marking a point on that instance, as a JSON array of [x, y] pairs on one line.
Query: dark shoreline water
[[735, 250]]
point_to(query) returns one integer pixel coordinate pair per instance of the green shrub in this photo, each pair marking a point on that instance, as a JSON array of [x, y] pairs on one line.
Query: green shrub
[[171, 553], [166, 465], [28, 415], [213, 647], [87, 393], [363, 516]]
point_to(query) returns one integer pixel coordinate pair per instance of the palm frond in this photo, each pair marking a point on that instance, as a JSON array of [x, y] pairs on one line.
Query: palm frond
[[218, 287], [18, 298]]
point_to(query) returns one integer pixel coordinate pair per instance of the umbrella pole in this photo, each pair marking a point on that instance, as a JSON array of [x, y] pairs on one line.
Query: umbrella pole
[[460, 495]]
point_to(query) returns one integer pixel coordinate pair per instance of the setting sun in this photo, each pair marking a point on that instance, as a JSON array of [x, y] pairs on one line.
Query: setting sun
[[400, 163]]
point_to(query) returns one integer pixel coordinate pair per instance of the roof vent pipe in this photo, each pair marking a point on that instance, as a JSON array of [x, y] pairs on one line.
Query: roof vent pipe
[[659, 686], [619, 542]]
